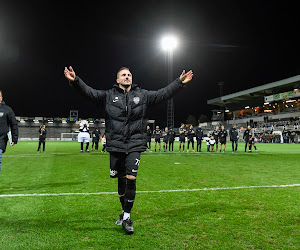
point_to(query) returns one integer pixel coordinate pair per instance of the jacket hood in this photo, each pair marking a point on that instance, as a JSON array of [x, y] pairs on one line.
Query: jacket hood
[[2, 103]]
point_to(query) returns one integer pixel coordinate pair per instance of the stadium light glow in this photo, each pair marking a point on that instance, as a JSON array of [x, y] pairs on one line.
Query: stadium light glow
[[169, 43]]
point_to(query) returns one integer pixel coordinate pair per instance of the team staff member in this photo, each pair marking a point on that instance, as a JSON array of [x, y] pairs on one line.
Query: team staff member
[[171, 136], [149, 135], [96, 138], [7, 120], [215, 134], [165, 139], [234, 137], [190, 136], [182, 132], [125, 118], [157, 135], [42, 137], [222, 138], [246, 137], [199, 137]]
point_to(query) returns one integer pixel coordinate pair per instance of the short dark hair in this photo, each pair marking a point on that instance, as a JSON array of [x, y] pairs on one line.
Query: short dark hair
[[1, 91], [121, 70]]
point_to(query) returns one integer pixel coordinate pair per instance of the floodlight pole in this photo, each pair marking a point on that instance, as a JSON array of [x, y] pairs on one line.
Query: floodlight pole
[[170, 107]]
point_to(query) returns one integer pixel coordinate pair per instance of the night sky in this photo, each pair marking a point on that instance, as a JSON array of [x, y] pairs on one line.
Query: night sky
[[241, 43]]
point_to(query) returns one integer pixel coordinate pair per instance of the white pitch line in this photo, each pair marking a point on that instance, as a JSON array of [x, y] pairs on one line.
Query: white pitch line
[[154, 191]]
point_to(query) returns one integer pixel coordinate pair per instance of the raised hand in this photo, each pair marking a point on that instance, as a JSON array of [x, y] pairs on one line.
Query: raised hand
[[186, 77], [70, 74]]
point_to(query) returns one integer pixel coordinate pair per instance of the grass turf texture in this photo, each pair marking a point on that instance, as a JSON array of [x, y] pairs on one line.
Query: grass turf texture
[[258, 218]]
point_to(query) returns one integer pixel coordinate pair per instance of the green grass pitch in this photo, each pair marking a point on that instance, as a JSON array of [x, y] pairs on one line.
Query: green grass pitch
[[257, 215]]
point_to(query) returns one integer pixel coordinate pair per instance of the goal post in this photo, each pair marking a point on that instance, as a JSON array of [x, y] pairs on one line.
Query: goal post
[[68, 136]]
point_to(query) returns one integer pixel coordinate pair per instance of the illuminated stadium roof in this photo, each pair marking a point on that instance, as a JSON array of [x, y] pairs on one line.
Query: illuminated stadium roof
[[255, 96]]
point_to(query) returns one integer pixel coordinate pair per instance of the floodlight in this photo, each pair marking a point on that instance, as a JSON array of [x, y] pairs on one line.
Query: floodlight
[[169, 43]]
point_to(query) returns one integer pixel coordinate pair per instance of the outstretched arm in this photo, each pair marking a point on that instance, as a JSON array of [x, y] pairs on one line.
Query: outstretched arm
[[154, 97], [90, 93]]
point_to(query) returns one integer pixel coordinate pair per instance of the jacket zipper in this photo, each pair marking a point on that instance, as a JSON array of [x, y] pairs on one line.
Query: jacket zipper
[[126, 109]]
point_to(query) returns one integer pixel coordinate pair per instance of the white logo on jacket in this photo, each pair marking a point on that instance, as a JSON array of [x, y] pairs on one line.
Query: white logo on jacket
[[116, 99], [113, 172], [136, 100]]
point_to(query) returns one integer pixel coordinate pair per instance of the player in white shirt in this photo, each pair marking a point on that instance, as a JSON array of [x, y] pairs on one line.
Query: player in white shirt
[[84, 136]]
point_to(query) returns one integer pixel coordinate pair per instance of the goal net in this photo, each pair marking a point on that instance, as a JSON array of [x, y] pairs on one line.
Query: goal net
[[68, 136]]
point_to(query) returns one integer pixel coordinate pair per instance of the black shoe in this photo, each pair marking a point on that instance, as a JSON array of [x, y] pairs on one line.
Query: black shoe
[[127, 225], [120, 220]]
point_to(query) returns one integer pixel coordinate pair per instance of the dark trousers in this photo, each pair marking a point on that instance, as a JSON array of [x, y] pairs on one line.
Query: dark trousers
[[236, 145], [96, 143], [149, 143], [171, 146], [246, 144], [40, 143], [199, 142], [192, 142]]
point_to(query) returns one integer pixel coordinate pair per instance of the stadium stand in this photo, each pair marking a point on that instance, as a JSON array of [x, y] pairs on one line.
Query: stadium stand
[[269, 108]]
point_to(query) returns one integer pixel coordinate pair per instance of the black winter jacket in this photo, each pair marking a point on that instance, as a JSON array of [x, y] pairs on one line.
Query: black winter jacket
[[7, 119], [126, 113], [234, 135], [43, 133]]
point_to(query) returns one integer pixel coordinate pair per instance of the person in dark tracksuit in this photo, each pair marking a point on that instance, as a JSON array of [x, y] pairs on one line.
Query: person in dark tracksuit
[[246, 137], [222, 138], [165, 139], [95, 139], [182, 132], [171, 136], [7, 121], [190, 136], [42, 137], [234, 137], [125, 108], [199, 137], [149, 135]]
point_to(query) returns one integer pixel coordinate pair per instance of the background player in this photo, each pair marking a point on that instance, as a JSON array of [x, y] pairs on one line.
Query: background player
[[199, 137], [251, 140], [165, 139], [190, 136], [246, 137], [157, 135], [149, 135], [182, 132], [222, 138], [84, 136]]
